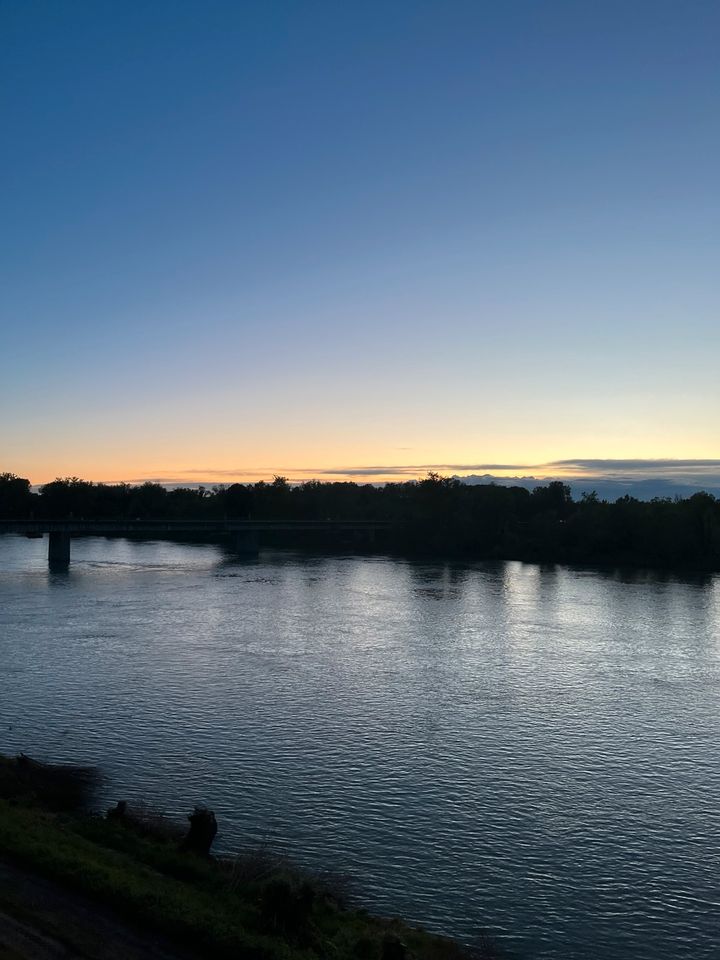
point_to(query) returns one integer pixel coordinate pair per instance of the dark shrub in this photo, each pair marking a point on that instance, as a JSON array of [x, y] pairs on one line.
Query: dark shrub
[[59, 787]]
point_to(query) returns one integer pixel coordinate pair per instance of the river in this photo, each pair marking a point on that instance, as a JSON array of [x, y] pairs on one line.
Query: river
[[527, 749]]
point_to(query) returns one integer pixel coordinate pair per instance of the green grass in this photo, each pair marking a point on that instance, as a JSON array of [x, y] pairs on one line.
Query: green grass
[[189, 913], [258, 907]]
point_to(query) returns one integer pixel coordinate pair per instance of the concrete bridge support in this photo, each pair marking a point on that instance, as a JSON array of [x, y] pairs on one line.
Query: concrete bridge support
[[59, 549]]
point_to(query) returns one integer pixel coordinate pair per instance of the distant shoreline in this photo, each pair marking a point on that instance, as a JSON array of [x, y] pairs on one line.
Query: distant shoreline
[[436, 517]]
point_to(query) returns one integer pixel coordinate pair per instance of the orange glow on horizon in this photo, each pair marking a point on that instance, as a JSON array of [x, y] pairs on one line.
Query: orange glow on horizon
[[360, 473]]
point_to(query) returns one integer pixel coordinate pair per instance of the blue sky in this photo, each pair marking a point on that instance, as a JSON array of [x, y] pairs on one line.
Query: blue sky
[[304, 236]]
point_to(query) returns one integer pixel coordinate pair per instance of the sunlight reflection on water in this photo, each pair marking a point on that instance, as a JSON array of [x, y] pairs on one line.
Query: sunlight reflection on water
[[527, 748]]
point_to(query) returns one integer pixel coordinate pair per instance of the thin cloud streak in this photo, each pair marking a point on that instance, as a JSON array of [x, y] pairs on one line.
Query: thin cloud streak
[[673, 470], [654, 466]]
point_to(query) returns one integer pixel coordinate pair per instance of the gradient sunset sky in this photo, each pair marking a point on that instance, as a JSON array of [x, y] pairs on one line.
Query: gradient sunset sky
[[318, 238]]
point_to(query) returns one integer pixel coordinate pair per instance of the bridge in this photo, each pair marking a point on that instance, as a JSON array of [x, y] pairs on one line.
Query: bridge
[[244, 534]]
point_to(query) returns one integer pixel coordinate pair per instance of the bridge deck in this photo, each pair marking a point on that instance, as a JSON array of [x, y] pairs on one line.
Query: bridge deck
[[244, 532], [118, 527]]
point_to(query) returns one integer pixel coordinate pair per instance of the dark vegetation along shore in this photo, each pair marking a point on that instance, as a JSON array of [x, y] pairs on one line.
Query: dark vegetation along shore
[[437, 516], [157, 878]]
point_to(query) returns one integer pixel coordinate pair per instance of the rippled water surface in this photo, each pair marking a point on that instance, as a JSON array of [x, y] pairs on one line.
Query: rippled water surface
[[531, 749]]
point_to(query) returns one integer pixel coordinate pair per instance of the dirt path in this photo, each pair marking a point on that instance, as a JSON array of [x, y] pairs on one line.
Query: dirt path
[[40, 920]]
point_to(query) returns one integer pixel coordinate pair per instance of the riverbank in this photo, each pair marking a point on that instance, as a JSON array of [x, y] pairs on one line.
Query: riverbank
[[129, 876]]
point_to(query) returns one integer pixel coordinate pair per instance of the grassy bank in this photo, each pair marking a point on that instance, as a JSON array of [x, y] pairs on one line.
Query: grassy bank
[[256, 906]]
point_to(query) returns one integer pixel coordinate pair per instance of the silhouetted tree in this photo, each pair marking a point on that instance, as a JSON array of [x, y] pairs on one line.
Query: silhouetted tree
[[15, 497], [438, 516]]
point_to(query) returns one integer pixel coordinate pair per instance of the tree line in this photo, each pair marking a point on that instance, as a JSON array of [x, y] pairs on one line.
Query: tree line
[[436, 516]]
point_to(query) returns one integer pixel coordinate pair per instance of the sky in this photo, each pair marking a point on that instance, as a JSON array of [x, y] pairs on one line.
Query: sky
[[358, 239]]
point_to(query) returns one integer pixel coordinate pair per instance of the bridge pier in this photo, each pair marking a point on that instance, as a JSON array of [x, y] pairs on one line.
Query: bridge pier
[[59, 550], [246, 543]]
